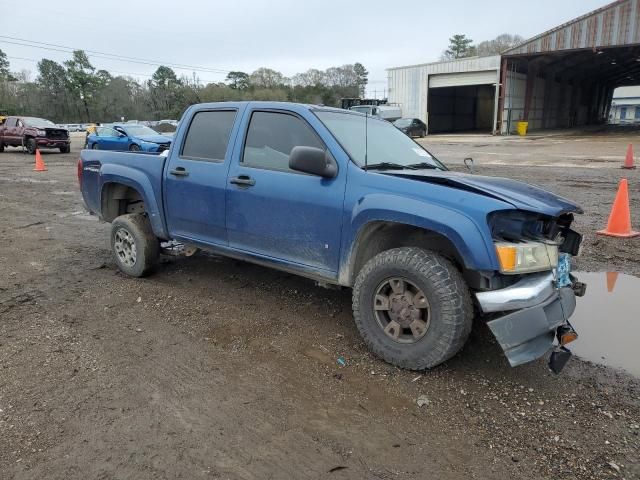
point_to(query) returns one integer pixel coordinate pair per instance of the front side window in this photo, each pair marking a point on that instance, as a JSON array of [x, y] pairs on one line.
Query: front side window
[[208, 135], [271, 137]]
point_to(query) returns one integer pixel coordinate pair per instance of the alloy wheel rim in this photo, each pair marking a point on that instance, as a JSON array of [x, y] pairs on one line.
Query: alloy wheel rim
[[402, 310], [125, 247]]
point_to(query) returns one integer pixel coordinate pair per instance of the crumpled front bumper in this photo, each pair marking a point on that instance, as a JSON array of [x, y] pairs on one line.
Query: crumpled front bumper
[[533, 310]]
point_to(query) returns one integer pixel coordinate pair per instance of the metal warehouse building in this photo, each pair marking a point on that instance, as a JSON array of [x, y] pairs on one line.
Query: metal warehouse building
[[562, 78]]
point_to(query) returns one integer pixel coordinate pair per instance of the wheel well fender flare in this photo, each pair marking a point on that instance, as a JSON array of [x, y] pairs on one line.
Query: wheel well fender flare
[[111, 174], [471, 240]]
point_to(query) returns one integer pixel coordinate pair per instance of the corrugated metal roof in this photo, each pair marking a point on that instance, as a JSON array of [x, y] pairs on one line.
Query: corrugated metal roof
[[469, 64], [616, 24]]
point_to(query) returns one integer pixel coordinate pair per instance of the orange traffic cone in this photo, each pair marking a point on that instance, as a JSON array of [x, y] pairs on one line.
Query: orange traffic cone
[[619, 224], [628, 161], [40, 166], [612, 278]]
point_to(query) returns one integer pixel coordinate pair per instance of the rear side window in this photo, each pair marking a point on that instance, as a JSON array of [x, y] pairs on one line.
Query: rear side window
[[208, 135], [272, 136], [10, 122]]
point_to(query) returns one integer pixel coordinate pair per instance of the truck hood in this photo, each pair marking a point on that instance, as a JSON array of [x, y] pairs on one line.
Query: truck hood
[[154, 138], [519, 194]]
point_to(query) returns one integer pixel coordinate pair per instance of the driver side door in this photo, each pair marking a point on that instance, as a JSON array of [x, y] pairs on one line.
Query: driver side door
[[278, 213]]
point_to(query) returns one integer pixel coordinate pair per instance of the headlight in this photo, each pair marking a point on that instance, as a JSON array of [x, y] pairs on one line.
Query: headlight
[[42, 133], [526, 257]]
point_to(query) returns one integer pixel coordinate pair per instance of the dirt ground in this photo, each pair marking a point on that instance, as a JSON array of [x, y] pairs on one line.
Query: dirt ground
[[214, 368]]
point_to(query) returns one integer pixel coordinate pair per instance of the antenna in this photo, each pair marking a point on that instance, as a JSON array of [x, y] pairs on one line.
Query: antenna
[[366, 138]]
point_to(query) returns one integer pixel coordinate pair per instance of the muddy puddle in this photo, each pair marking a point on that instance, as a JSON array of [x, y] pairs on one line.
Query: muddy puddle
[[607, 319]]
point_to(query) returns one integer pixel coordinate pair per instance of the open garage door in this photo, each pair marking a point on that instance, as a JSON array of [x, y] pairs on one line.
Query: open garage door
[[463, 79]]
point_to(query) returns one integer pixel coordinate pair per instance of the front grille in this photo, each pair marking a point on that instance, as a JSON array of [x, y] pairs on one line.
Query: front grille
[[57, 134]]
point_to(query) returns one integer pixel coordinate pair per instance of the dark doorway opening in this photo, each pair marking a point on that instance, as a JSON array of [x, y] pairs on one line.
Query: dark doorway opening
[[461, 109]]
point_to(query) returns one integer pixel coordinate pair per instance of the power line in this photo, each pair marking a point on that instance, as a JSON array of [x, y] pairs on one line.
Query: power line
[[122, 58], [107, 56], [110, 70]]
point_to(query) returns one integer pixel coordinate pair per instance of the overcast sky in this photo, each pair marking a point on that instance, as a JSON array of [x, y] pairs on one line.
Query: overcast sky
[[287, 35]]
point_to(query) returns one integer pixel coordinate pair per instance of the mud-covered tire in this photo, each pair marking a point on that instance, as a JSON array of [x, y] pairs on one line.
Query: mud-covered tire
[[448, 296], [31, 145], [147, 245]]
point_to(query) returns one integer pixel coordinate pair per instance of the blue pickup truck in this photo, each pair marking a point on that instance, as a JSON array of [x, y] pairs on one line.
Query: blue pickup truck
[[348, 200]]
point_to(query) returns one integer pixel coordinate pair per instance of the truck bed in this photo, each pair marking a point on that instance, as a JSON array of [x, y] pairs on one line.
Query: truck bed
[[141, 171]]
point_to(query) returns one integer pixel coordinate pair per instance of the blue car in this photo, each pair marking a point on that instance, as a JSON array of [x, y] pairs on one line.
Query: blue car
[[131, 137]]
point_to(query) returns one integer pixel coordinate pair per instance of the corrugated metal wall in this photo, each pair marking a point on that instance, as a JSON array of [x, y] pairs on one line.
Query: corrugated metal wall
[[408, 86], [550, 104], [613, 25]]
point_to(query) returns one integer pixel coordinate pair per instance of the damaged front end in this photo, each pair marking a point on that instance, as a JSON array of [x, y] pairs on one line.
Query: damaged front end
[[529, 314]]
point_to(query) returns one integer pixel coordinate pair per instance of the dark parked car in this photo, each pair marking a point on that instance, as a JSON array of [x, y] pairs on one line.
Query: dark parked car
[[411, 126], [33, 133]]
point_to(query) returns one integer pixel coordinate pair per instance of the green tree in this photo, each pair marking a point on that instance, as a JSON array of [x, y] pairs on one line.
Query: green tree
[[238, 80], [267, 78], [362, 76], [82, 81], [4, 66], [498, 45], [52, 80], [459, 47], [5, 73], [166, 91]]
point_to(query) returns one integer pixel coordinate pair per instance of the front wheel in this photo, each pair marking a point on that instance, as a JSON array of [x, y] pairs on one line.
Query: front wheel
[[135, 247], [31, 145], [412, 307], [1, 147], [423, 133], [66, 149], [134, 148]]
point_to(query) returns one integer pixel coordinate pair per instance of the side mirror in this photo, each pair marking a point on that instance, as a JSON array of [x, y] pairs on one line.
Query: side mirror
[[468, 162], [314, 161]]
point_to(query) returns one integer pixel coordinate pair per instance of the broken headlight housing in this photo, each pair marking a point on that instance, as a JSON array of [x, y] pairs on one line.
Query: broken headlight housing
[[526, 257], [528, 242]]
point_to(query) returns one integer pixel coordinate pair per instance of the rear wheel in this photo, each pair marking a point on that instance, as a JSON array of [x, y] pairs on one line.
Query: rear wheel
[[31, 145], [423, 133], [134, 148], [135, 247], [412, 307], [95, 146]]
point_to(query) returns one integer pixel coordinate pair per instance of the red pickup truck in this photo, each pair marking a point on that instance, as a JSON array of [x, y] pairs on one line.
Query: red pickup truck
[[33, 133]]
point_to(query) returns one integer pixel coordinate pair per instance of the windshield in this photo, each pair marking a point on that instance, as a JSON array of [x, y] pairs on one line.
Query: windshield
[[403, 122], [385, 142], [138, 130], [38, 122]]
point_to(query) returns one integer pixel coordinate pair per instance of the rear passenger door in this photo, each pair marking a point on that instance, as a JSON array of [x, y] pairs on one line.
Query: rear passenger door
[[196, 177], [278, 213]]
